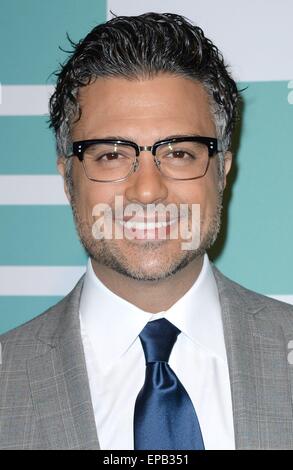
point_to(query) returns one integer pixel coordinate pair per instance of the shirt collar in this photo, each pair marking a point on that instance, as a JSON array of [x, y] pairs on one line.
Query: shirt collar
[[112, 324]]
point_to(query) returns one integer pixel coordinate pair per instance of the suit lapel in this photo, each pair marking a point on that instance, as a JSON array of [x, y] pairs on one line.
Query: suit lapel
[[258, 368], [59, 382]]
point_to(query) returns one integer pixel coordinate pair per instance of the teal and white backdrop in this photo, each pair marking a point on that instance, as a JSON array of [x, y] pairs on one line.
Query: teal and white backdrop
[[40, 255]]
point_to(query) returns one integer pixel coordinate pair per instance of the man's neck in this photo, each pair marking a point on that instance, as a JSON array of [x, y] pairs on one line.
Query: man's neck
[[151, 296]]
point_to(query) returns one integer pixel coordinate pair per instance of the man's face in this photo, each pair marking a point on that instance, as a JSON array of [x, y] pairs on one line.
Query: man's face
[[144, 112]]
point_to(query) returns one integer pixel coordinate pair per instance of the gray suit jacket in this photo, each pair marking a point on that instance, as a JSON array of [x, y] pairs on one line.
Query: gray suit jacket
[[45, 399]]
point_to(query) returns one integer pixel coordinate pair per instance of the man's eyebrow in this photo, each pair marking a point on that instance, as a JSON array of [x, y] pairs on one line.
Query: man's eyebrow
[[132, 139]]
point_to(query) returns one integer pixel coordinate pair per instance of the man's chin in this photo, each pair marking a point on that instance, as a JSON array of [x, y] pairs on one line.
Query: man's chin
[[154, 267]]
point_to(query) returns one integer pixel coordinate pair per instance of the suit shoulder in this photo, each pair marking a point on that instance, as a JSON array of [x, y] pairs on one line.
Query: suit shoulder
[[20, 343], [29, 328], [266, 307], [25, 335]]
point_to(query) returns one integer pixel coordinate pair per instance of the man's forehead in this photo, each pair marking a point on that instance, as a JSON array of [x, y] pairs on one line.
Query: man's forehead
[[108, 111], [163, 86]]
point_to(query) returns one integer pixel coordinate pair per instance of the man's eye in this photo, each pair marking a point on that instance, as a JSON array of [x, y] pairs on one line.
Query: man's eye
[[108, 156], [180, 155]]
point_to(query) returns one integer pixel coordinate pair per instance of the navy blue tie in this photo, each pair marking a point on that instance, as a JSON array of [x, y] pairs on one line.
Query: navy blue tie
[[164, 416]]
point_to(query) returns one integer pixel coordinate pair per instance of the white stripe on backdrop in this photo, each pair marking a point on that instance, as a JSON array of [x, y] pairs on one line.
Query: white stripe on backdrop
[[24, 100], [254, 36], [39, 280], [32, 189]]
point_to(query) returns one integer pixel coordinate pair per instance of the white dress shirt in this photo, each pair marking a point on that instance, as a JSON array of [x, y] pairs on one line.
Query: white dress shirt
[[115, 359]]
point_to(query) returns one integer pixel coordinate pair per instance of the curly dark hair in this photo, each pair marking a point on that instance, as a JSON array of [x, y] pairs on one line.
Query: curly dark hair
[[142, 46]]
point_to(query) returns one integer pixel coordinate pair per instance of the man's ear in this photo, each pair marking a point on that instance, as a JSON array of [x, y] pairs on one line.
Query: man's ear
[[61, 169], [227, 165]]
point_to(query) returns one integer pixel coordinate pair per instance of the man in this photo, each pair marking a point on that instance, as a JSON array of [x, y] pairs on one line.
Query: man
[[153, 348]]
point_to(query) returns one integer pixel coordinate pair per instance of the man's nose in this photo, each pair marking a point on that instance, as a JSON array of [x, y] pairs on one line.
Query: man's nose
[[146, 185]]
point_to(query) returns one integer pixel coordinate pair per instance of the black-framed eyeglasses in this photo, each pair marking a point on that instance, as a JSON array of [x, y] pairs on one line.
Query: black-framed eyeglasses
[[180, 158]]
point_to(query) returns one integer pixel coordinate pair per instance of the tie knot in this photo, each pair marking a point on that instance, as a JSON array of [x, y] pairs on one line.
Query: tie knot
[[158, 338]]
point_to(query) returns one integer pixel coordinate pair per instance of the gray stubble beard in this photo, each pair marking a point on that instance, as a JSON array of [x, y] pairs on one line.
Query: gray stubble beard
[[105, 252]]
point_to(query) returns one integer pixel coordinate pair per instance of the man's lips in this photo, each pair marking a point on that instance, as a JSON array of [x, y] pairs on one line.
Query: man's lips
[[146, 220], [146, 224]]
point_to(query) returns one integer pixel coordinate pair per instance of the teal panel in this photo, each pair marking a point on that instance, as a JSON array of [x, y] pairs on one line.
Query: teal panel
[[27, 146], [15, 311], [30, 33], [32, 30], [39, 235], [258, 248]]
